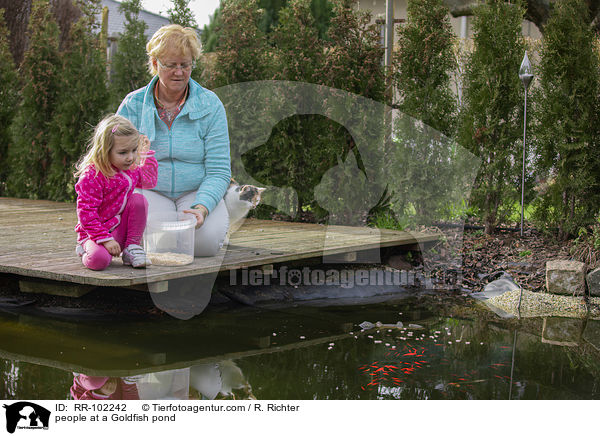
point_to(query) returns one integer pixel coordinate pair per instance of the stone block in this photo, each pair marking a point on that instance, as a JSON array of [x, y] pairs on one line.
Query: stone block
[[565, 277], [593, 282]]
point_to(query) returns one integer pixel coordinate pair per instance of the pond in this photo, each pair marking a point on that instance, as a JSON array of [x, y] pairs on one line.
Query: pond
[[427, 346]]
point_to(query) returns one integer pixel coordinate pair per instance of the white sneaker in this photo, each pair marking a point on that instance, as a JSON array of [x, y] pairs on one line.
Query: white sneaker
[[79, 250], [135, 256]]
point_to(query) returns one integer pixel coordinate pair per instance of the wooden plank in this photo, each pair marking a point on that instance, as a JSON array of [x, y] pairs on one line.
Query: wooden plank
[[34, 242]]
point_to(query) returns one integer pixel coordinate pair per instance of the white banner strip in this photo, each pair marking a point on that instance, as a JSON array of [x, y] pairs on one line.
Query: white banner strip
[[294, 417]]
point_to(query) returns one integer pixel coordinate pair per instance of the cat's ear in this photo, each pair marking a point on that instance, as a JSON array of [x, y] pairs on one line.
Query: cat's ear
[[261, 190]]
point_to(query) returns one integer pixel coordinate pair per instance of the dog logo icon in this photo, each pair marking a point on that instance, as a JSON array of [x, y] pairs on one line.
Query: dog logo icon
[[26, 415]]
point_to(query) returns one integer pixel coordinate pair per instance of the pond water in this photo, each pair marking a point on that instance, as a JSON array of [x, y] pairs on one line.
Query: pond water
[[448, 348]]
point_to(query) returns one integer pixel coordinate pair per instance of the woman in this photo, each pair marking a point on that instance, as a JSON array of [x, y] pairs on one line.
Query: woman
[[187, 127]]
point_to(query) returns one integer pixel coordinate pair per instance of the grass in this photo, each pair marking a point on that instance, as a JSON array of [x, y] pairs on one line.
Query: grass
[[387, 220]]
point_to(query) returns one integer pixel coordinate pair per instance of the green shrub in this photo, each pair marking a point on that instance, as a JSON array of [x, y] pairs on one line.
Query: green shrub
[[82, 100], [29, 152], [491, 120], [129, 68], [181, 14], [9, 86], [243, 53], [567, 122], [424, 63]]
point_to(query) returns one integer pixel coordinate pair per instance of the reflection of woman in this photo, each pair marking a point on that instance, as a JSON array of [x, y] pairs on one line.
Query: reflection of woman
[[187, 127]]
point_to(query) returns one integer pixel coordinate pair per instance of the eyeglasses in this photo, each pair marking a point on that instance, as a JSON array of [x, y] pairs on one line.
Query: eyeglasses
[[186, 66]]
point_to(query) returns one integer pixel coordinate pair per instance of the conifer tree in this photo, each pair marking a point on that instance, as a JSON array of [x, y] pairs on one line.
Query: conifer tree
[[567, 112], [130, 69], [322, 12], [296, 40], [243, 51], [181, 14], [9, 86], [491, 121], [29, 152], [423, 65], [211, 31], [354, 53], [301, 148], [422, 68], [82, 100]]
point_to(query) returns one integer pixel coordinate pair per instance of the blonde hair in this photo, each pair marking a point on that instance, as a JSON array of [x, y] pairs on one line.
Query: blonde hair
[[102, 142], [183, 40]]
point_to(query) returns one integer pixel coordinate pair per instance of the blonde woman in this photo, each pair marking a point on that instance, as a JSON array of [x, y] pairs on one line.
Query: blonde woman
[[187, 128], [110, 217]]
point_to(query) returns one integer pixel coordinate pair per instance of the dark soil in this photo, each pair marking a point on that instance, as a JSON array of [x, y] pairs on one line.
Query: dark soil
[[524, 258]]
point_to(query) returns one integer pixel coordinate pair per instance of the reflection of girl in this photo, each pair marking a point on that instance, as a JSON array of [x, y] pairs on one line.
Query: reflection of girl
[[172, 384], [86, 387]]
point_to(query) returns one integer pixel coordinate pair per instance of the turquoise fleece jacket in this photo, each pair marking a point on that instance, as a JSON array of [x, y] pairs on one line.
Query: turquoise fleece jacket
[[194, 154]]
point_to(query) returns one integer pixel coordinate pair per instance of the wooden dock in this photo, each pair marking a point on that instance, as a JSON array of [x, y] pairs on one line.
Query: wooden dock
[[37, 244]]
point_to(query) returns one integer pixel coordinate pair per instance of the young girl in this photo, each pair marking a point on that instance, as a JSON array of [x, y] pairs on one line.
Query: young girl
[[110, 215]]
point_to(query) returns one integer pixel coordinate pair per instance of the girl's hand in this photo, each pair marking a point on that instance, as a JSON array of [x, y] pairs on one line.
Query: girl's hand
[[143, 148], [200, 212], [112, 247]]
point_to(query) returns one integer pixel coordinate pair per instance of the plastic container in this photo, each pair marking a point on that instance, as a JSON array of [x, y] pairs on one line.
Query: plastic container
[[169, 238]]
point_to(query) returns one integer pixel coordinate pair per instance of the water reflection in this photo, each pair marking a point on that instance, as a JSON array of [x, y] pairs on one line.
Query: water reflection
[[208, 381], [305, 353]]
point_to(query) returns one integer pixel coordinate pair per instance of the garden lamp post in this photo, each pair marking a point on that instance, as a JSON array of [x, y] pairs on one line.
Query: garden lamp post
[[526, 77]]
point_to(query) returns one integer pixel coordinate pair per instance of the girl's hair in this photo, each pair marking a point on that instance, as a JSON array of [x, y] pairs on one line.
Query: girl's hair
[[101, 143], [175, 39]]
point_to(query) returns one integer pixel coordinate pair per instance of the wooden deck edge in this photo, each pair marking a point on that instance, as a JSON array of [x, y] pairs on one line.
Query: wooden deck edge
[[64, 289], [165, 274]]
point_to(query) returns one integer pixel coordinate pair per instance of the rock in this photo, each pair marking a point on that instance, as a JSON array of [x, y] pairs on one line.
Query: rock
[[398, 262], [415, 327], [565, 277], [500, 286], [593, 282]]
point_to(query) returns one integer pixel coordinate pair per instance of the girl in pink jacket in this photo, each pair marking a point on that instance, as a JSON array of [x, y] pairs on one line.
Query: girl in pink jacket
[[110, 215]]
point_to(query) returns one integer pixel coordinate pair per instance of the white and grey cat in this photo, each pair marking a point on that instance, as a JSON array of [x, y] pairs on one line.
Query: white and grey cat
[[239, 200]]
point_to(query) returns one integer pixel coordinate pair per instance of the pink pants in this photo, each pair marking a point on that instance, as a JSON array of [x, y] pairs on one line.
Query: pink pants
[[130, 231]]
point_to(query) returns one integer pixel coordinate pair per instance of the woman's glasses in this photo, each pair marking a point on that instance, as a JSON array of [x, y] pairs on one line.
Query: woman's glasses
[[186, 66]]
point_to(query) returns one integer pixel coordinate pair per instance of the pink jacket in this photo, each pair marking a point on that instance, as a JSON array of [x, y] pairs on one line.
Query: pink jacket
[[101, 200]]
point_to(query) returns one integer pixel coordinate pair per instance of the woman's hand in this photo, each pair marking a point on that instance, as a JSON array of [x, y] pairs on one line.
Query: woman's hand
[[200, 212], [112, 247]]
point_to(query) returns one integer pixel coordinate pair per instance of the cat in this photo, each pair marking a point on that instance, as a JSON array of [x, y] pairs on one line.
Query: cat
[[239, 200]]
